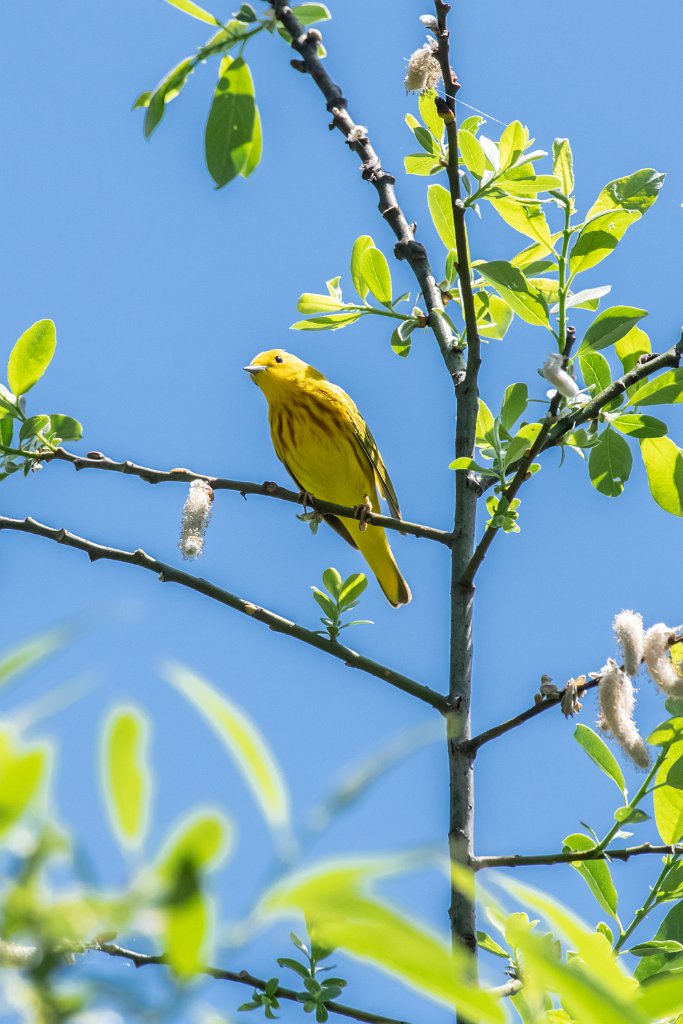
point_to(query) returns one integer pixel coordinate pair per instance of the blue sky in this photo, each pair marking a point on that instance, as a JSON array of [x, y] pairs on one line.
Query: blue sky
[[163, 288]]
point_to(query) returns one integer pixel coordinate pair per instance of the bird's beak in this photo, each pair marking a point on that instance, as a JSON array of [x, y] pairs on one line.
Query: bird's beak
[[254, 370]]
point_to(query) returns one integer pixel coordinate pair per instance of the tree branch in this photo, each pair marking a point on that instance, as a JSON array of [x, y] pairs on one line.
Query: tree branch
[[407, 248], [168, 574], [96, 460], [516, 860]]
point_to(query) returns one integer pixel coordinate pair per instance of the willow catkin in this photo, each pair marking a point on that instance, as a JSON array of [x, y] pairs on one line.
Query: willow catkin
[[617, 702]]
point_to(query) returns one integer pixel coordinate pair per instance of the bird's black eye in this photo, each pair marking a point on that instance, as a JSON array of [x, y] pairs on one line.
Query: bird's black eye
[[279, 359]]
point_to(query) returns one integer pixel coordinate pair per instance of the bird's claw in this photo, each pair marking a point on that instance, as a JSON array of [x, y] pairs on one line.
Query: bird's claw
[[306, 499], [361, 513]]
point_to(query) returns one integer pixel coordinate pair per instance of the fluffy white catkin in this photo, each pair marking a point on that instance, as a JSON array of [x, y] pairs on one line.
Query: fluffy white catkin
[[196, 516], [423, 71], [628, 629], [657, 654], [554, 372], [617, 701]]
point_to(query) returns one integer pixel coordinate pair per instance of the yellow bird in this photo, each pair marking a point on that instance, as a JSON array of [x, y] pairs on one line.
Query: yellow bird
[[327, 448]]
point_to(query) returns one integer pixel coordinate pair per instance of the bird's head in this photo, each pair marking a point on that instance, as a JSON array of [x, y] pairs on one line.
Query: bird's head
[[276, 371]]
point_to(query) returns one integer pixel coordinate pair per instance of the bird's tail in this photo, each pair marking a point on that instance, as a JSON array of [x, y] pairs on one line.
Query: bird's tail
[[375, 549]]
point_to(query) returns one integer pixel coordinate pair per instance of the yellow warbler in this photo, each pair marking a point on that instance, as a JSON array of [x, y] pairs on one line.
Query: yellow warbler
[[327, 448]]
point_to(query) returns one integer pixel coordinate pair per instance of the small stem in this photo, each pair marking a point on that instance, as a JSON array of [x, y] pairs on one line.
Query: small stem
[[642, 792], [520, 860], [563, 284]]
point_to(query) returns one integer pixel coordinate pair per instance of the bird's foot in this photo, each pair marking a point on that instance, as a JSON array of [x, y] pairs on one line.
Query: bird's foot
[[361, 512], [306, 499]]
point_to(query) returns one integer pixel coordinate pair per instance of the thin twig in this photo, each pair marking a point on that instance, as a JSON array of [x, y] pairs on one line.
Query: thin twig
[[168, 574], [96, 460], [306, 44], [538, 708], [516, 860]]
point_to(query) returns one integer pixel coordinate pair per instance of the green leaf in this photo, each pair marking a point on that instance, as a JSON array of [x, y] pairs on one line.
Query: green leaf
[[352, 589], [601, 755], [142, 101], [598, 238], [230, 128], [494, 316], [471, 153], [256, 151], [514, 288], [513, 142], [30, 652], [167, 90], [589, 298], [326, 323], [563, 165], [666, 389], [199, 841], [332, 581], [187, 931], [514, 405], [534, 258], [195, 11], [31, 356], [636, 425], [610, 463], [241, 738], [22, 770], [400, 344], [630, 816], [527, 218], [596, 372], [308, 14], [376, 274], [611, 325], [595, 873], [671, 929], [484, 941], [631, 347], [668, 795], [529, 185], [419, 163], [662, 997], [310, 302], [429, 115], [636, 192], [441, 210], [359, 246], [664, 466], [66, 427], [326, 603], [126, 774], [666, 733]]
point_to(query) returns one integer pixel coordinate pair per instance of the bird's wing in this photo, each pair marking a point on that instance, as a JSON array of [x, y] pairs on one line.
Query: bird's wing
[[369, 446], [333, 521]]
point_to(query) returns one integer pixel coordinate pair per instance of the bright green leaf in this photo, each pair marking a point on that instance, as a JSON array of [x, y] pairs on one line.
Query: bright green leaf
[[514, 288], [636, 425], [22, 770], [596, 372], [598, 238], [429, 114], [636, 192], [195, 11], [471, 153], [126, 774], [359, 246], [312, 303], [664, 466], [419, 163], [610, 463], [66, 427], [31, 356], [631, 347], [611, 325], [666, 389], [308, 14], [326, 323], [601, 755], [563, 165], [595, 873], [376, 273], [671, 929], [441, 210], [588, 298], [230, 128], [514, 405], [513, 142], [668, 795], [167, 90], [527, 218]]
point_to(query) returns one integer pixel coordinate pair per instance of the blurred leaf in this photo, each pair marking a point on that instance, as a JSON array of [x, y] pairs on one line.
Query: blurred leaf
[[376, 274], [637, 425], [595, 873], [609, 326], [126, 774], [664, 466], [441, 210], [514, 288], [194, 10], [21, 772], [29, 652], [666, 389], [610, 463], [167, 90], [662, 997], [242, 740], [200, 841], [308, 14], [31, 356], [230, 128], [598, 238], [187, 934], [601, 755], [668, 795], [563, 165], [636, 192], [484, 941], [334, 898]]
